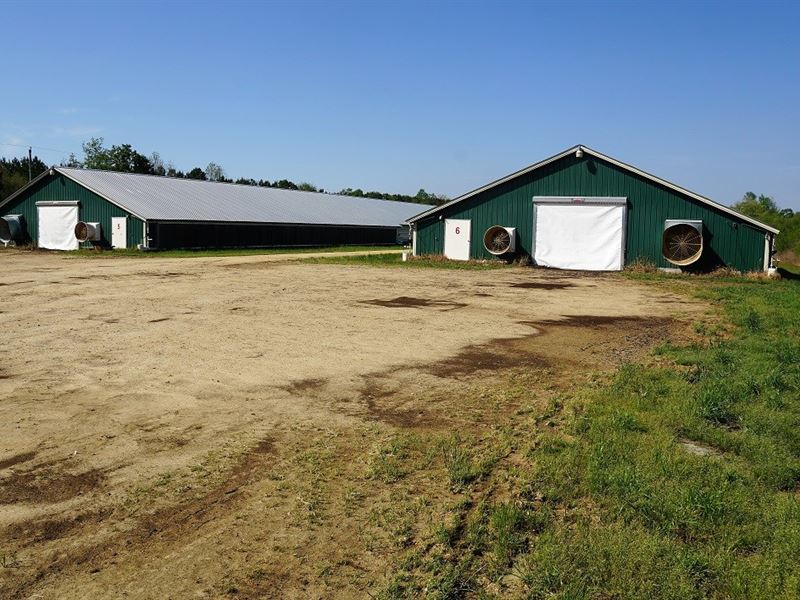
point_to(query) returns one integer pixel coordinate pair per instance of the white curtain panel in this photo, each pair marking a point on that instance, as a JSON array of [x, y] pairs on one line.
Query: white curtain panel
[[57, 227], [585, 237]]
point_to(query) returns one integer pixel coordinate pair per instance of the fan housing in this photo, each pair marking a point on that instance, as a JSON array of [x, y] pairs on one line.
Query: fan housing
[[499, 240], [12, 229], [682, 242], [87, 232]]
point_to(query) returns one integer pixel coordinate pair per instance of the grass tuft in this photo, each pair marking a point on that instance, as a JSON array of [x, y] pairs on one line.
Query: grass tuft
[[715, 402], [462, 464], [641, 265], [753, 321], [386, 464]]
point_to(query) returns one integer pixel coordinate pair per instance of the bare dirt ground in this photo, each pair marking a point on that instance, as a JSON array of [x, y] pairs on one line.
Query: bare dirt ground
[[216, 426]]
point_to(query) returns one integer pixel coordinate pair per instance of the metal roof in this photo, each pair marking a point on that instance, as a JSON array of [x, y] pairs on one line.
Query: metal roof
[[155, 198], [613, 161]]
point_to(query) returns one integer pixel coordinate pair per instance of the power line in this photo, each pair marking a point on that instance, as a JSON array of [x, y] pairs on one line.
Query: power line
[[38, 148]]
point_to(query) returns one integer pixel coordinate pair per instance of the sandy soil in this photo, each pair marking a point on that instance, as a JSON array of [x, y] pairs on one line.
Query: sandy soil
[[163, 422]]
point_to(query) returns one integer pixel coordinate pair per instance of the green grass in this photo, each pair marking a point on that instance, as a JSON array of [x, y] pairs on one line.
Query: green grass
[[133, 253], [386, 463], [611, 502], [463, 467], [396, 260], [723, 525]]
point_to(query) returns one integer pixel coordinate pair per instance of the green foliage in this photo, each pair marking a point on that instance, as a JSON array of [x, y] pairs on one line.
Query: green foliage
[[14, 173], [683, 524], [610, 562], [197, 173], [509, 523], [764, 209], [752, 321], [72, 161], [122, 158], [285, 184], [462, 464], [421, 197], [716, 398]]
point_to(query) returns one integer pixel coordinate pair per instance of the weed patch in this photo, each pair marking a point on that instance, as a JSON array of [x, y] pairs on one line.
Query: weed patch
[[462, 463], [386, 463]]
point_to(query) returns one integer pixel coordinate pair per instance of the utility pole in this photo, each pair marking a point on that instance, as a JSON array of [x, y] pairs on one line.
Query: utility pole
[[30, 160]]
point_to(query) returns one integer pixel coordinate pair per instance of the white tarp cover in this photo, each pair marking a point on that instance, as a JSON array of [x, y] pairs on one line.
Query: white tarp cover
[[586, 237], [57, 226]]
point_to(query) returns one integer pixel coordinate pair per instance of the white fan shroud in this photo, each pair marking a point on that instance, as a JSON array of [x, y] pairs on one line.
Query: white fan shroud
[[499, 240], [682, 243], [87, 232]]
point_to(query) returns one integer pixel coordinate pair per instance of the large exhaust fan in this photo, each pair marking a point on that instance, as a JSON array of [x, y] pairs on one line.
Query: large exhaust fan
[[12, 229], [683, 241], [87, 232], [500, 240]]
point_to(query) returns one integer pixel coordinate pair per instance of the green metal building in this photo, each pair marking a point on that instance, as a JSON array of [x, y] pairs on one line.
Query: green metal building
[[54, 192], [66, 208], [581, 209]]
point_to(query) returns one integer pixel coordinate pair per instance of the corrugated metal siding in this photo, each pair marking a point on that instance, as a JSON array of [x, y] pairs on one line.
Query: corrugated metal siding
[[92, 208], [729, 240], [171, 199]]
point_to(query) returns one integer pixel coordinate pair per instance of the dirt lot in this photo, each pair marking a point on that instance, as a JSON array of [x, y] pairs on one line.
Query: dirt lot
[[201, 427]]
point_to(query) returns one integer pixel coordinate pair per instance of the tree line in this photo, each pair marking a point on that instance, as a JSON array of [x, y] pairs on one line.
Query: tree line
[[126, 159], [14, 173], [765, 209]]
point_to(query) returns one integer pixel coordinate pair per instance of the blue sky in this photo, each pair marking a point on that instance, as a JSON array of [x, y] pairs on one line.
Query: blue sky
[[395, 96]]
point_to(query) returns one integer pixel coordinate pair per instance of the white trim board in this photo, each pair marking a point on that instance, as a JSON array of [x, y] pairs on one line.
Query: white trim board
[[608, 159], [767, 251], [580, 200]]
